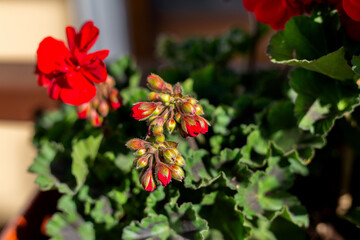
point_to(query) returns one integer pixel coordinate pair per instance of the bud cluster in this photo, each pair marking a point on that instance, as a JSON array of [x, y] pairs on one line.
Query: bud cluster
[[160, 162], [107, 97], [168, 110]]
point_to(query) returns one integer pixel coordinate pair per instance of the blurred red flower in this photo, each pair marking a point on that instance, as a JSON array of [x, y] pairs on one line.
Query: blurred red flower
[[70, 73]]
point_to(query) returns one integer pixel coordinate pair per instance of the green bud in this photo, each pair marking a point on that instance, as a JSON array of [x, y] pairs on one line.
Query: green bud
[[160, 138], [153, 96], [141, 151], [164, 97], [157, 130], [188, 108], [192, 101], [178, 117], [171, 125], [177, 173], [198, 109], [179, 160], [142, 162]]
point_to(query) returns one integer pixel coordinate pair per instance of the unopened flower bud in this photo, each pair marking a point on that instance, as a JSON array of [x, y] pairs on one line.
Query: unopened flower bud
[[153, 96], [177, 173], [103, 108], [164, 97], [157, 130], [148, 181], [95, 102], [135, 144], [163, 174], [110, 81], [178, 117], [160, 138], [193, 101], [141, 151], [188, 108], [156, 83], [83, 110], [170, 154], [179, 160], [158, 110], [95, 119], [142, 162], [198, 109], [171, 125], [114, 99]]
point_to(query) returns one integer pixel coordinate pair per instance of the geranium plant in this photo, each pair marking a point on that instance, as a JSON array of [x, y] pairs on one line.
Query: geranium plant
[[255, 154]]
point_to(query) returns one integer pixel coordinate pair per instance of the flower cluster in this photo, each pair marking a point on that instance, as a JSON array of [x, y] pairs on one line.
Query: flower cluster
[[107, 98], [70, 74], [277, 12], [168, 109], [160, 159]]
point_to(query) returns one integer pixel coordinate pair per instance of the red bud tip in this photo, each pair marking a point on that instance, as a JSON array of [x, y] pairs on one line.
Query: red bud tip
[[148, 181], [95, 119], [83, 110], [164, 174], [135, 144]]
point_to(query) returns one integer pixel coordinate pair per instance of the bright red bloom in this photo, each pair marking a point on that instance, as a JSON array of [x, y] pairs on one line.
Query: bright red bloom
[[352, 8], [277, 12], [70, 73], [164, 174], [348, 18], [143, 110], [148, 181], [193, 126]]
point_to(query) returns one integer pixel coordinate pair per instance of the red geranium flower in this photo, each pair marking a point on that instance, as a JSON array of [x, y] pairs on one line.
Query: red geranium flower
[[193, 126], [70, 74], [349, 13], [352, 8], [143, 110], [277, 12]]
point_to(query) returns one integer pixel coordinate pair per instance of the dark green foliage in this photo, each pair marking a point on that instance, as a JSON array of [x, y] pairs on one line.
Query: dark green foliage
[[241, 178]]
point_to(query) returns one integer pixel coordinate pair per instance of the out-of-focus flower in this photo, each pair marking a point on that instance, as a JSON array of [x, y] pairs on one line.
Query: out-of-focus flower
[[107, 98], [277, 12], [70, 74], [349, 11]]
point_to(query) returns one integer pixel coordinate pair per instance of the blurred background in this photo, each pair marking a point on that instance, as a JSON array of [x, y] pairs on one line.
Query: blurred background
[[126, 28]]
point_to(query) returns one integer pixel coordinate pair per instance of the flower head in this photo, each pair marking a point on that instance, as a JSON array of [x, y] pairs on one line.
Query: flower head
[[70, 73]]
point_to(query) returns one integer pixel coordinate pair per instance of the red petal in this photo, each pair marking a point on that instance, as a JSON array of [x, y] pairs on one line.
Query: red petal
[[270, 11], [51, 56], [352, 10], [81, 92], [88, 36], [43, 80], [96, 73], [102, 54], [251, 4], [71, 37]]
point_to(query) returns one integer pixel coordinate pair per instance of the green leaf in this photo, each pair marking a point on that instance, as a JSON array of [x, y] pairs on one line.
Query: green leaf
[[83, 154], [321, 100], [185, 222], [69, 224], [154, 227], [302, 38], [353, 216], [224, 216], [52, 166], [255, 151]]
